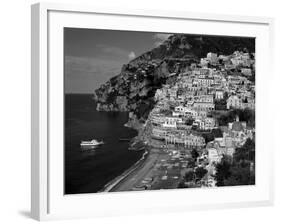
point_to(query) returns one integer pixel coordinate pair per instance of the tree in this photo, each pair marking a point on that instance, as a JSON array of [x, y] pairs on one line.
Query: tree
[[246, 115], [246, 152], [189, 121], [181, 185], [238, 172], [225, 96], [208, 137], [191, 163], [220, 104], [241, 154], [250, 143], [200, 172], [240, 176], [223, 171], [217, 133], [189, 176], [194, 154], [144, 107]]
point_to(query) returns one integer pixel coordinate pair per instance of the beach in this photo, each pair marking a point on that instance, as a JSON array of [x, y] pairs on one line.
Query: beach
[[161, 167], [158, 170]]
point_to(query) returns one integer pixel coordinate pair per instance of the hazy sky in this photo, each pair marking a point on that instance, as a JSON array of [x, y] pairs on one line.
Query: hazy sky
[[93, 56]]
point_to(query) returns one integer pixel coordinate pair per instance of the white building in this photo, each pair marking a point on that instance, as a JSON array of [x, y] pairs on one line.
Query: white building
[[189, 140], [204, 98], [205, 82], [219, 94], [171, 122], [184, 111], [212, 57], [234, 102], [214, 156], [246, 71], [203, 106], [208, 123], [159, 133]]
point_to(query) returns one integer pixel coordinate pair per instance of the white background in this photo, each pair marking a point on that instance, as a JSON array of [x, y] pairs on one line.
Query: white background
[[15, 111]]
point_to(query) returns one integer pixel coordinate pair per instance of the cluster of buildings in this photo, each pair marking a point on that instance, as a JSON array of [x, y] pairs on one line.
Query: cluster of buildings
[[238, 102], [184, 109], [234, 135]]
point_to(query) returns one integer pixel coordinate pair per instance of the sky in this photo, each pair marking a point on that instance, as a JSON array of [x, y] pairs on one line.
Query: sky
[[93, 56]]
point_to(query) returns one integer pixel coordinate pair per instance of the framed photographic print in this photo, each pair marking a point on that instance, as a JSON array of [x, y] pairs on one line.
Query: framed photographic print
[[147, 111]]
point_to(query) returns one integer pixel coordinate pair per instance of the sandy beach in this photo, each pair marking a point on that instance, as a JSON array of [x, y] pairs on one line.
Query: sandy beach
[[135, 177], [119, 180], [158, 171]]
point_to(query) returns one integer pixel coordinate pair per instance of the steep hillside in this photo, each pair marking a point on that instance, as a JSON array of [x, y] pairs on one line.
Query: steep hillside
[[134, 88]]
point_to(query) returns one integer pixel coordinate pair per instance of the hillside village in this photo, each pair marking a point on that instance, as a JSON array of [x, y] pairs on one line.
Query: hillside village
[[187, 116], [192, 101]]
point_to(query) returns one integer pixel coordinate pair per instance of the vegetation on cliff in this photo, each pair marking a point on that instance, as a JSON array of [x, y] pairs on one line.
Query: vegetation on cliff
[[134, 88]]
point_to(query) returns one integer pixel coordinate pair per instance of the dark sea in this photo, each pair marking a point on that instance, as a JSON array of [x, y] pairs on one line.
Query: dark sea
[[87, 171]]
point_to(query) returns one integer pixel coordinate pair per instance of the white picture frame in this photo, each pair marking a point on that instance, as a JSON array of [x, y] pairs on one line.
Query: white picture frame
[[47, 200]]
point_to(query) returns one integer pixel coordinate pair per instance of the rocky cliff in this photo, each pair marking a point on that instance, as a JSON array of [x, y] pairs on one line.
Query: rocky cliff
[[134, 88]]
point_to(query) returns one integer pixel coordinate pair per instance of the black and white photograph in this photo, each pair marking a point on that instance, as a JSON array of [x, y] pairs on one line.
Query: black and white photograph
[[156, 111], [121, 112]]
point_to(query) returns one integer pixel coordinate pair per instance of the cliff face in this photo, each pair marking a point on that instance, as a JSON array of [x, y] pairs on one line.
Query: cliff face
[[134, 88]]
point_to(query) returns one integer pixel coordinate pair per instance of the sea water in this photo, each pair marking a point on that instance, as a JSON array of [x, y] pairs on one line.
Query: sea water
[[88, 170]]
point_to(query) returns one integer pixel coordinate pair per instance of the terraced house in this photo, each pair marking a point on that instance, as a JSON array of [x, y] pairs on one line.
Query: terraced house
[[182, 138]]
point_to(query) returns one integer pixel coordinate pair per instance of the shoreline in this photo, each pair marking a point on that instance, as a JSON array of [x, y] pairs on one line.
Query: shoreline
[[135, 125], [113, 183]]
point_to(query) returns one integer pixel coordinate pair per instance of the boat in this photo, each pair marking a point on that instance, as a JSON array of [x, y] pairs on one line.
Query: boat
[[91, 143]]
